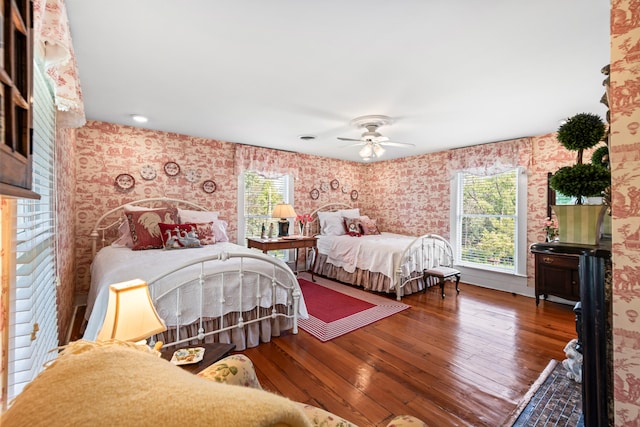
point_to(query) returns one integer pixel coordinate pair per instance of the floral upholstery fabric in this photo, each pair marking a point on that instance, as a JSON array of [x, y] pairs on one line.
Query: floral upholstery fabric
[[238, 369]]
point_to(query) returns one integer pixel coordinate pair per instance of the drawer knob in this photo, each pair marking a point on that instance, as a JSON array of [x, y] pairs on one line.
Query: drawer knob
[[548, 260]]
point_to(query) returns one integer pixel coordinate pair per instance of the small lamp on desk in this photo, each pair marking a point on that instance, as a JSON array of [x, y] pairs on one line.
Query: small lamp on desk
[[131, 315], [283, 211]]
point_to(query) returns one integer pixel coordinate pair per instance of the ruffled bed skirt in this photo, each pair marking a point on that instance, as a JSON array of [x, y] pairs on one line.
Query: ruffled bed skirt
[[366, 279], [247, 336]]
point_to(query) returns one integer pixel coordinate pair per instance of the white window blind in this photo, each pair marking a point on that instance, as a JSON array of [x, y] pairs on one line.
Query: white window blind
[[487, 223], [33, 321], [258, 198]]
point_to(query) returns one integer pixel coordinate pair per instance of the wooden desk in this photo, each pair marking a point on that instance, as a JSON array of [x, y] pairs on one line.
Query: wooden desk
[[266, 245], [212, 353]]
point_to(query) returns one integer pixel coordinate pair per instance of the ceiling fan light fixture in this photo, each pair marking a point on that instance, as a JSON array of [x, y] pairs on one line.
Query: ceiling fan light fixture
[[366, 151], [378, 150]]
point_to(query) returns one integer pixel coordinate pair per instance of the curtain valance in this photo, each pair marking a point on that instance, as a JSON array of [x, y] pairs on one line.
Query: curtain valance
[[491, 159], [53, 41], [265, 161]]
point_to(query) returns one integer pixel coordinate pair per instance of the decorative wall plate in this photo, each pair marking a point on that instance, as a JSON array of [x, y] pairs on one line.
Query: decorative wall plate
[[209, 186], [324, 187], [124, 181], [346, 188], [315, 193], [354, 195], [191, 175], [335, 184], [147, 172], [171, 168]]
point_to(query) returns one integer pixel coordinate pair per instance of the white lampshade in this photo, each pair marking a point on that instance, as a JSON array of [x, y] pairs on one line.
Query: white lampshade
[[365, 151], [131, 315], [378, 150], [283, 210]]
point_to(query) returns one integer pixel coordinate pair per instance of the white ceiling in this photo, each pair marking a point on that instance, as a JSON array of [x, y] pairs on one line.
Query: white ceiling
[[451, 73]]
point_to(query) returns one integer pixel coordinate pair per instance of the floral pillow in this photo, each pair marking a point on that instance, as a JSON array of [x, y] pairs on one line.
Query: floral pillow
[[143, 225], [353, 226], [205, 233], [369, 226], [179, 236]]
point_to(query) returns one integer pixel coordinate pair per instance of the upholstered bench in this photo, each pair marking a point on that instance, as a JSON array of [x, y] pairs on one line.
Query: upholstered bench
[[443, 274]]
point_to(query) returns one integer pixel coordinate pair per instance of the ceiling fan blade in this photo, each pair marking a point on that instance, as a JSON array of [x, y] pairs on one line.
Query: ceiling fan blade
[[350, 139], [396, 144]]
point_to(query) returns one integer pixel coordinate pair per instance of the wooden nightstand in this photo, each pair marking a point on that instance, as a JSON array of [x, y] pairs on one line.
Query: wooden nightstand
[[212, 353], [296, 243]]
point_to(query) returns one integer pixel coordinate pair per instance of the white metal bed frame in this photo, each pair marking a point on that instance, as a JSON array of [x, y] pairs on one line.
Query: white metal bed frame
[[280, 276], [427, 251]]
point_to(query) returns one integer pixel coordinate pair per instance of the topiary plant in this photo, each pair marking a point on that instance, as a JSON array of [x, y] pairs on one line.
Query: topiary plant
[[580, 132]]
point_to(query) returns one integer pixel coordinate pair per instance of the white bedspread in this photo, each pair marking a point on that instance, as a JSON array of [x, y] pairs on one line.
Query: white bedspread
[[377, 253], [114, 265]]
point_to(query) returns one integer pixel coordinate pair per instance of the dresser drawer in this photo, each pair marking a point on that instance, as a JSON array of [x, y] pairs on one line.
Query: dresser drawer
[[560, 261]]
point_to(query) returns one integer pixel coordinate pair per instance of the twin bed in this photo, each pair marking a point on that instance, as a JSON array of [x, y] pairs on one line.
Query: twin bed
[[216, 292], [352, 250], [219, 291]]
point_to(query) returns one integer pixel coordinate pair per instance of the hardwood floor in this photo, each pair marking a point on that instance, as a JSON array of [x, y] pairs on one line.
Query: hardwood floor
[[466, 360]]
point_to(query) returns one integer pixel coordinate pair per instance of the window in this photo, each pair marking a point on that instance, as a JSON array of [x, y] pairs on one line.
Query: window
[[258, 198], [33, 325], [487, 227]]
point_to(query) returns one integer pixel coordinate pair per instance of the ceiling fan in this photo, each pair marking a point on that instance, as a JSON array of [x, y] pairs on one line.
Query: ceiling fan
[[372, 141]]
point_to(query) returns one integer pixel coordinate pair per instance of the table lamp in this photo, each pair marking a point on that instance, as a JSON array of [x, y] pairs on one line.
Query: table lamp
[[283, 211], [131, 315]]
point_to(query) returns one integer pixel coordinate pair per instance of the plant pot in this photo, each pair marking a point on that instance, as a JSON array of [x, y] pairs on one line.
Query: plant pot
[[579, 223]]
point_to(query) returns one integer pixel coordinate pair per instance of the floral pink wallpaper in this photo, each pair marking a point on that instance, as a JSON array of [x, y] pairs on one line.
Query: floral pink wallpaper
[[105, 150], [65, 184], [624, 103]]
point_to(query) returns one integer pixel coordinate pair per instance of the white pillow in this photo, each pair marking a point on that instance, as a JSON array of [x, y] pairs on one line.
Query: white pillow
[[220, 230], [331, 223], [350, 213], [189, 216]]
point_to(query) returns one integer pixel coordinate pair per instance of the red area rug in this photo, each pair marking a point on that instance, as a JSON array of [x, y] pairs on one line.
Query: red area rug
[[336, 309]]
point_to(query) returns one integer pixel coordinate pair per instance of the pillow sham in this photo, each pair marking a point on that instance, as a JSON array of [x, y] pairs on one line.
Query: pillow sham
[[179, 236], [191, 216], [220, 230], [144, 229], [350, 213], [331, 223], [369, 226], [124, 236]]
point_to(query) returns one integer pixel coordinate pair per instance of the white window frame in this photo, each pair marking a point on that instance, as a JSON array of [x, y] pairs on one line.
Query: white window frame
[[520, 252]]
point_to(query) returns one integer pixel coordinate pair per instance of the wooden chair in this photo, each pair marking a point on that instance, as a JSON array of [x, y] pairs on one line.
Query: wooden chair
[[440, 263]]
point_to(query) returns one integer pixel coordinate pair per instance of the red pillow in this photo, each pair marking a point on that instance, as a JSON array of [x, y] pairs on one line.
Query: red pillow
[[353, 226], [179, 236], [143, 225]]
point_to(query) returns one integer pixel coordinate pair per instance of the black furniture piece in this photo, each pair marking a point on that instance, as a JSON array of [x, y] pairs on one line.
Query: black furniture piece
[[593, 325]]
